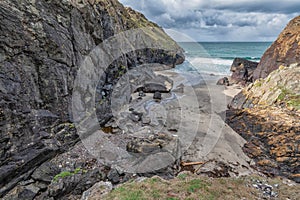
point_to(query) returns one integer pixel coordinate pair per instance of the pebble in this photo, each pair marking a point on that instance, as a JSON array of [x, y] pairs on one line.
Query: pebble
[[141, 94], [266, 189]]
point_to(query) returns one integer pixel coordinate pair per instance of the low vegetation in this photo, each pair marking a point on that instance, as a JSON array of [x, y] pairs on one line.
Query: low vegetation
[[64, 174], [191, 187], [291, 99]]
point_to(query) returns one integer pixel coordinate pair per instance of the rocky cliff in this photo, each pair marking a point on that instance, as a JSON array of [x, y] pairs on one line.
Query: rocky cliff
[[267, 112], [267, 115], [42, 44], [284, 51]]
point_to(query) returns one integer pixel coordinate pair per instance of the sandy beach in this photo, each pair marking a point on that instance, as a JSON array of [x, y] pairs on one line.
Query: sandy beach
[[192, 116], [214, 141]]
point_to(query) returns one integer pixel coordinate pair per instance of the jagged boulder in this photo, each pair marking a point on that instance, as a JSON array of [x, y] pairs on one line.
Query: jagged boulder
[[284, 51]]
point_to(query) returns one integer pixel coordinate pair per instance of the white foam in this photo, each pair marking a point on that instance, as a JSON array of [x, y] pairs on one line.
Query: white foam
[[216, 61]]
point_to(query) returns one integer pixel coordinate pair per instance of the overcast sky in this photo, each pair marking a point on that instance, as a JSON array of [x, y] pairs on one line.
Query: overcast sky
[[219, 20]]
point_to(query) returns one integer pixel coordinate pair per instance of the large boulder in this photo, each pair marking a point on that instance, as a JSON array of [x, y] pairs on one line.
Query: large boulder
[[284, 51], [242, 71]]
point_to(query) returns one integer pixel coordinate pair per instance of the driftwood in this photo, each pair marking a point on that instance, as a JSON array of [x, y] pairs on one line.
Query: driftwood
[[191, 163]]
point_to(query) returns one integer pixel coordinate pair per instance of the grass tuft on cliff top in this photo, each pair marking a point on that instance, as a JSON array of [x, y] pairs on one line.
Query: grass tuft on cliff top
[[187, 186]]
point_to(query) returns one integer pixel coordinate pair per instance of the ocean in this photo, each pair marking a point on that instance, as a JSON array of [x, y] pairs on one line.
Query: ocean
[[216, 57]]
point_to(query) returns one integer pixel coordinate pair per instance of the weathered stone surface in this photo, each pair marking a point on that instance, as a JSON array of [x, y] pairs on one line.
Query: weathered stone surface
[[153, 144], [45, 172], [135, 116], [42, 44], [27, 192], [242, 71], [155, 87], [284, 51], [78, 171], [71, 186], [281, 87], [98, 191], [113, 176], [138, 80]]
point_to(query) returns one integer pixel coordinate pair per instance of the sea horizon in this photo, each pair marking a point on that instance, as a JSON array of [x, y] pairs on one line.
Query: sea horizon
[[217, 57]]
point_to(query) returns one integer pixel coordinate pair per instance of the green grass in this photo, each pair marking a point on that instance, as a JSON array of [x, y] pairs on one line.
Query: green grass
[[258, 83], [134, 195], [295, 103], [153, 180], [196, 184], [125, 194], [291, 99], [192, 187], [156, 194], [64, 174], [182, 176]]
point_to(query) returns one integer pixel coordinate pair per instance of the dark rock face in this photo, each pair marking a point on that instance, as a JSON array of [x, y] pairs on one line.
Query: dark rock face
[[42, 44], [284, 51], [45, 172], [242, 70]]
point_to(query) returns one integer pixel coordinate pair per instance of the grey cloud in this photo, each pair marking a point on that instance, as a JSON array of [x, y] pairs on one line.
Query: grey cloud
[[267, 6], [258, 20]]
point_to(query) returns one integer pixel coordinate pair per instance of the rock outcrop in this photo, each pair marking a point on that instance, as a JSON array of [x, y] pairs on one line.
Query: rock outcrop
[[281, 88], [242, 71], [284, 51], [42, 44], [267, 115]]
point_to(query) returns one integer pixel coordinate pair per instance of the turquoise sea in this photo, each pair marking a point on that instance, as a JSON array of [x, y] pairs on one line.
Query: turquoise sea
[[216, 57]]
